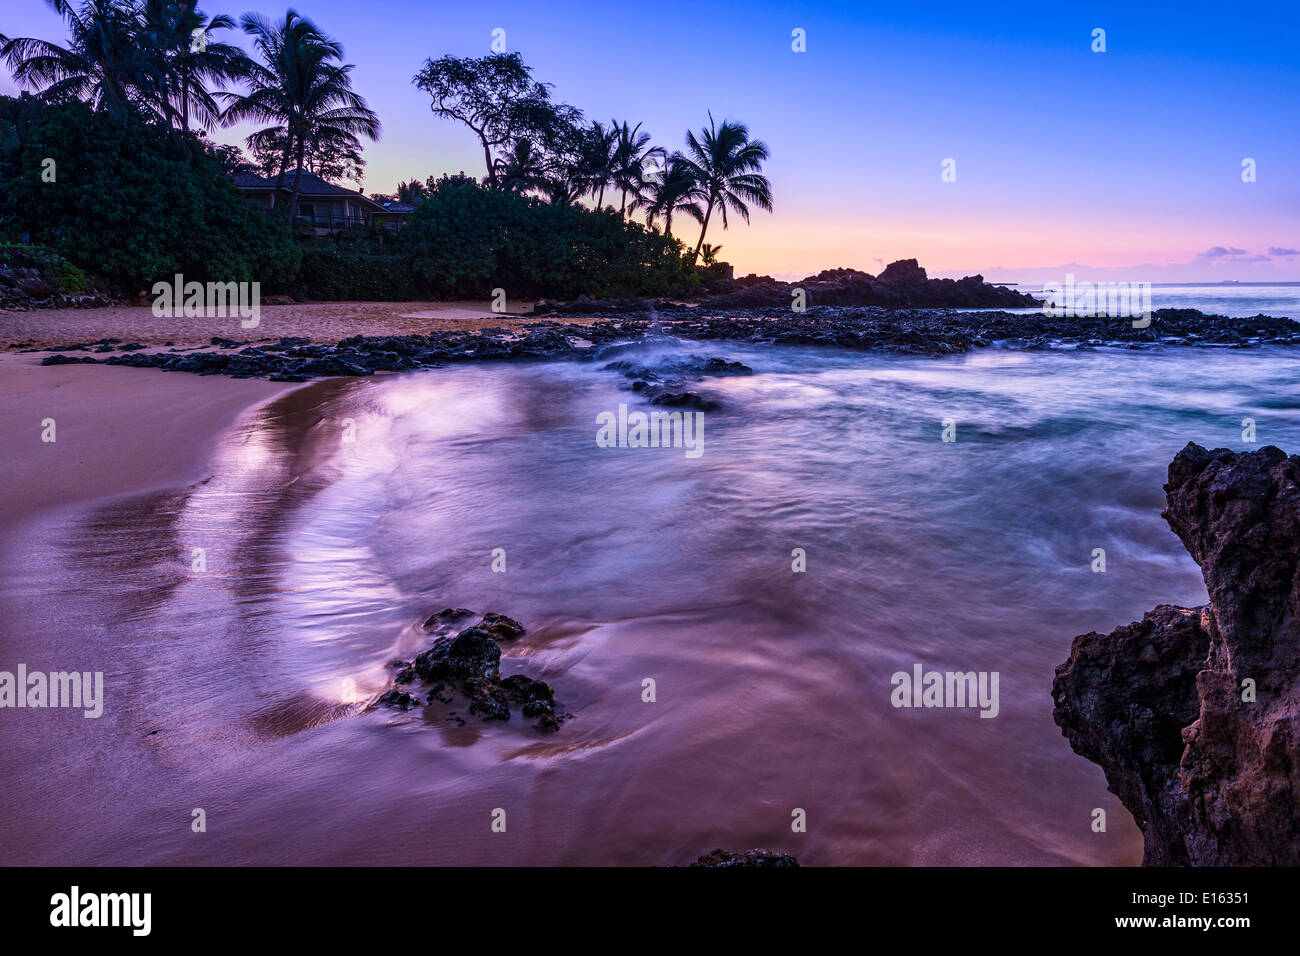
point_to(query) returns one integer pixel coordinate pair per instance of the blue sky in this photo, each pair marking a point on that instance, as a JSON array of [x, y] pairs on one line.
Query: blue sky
[[1123, 164]]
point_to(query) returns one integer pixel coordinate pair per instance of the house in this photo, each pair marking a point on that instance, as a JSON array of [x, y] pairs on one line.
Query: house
[[329, 208]]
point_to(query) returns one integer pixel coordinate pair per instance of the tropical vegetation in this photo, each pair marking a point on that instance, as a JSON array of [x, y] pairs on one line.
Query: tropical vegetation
[[109, 160]]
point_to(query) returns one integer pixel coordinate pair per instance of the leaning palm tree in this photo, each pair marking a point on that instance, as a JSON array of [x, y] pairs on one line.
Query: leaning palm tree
[[302, 90], [102, 62], [632, 153], [185, 58], [726, 163], [674, 190]]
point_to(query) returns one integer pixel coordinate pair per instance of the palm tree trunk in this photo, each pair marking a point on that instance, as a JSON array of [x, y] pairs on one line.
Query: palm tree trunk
[[704, 227], [600, 198], [297, 184]]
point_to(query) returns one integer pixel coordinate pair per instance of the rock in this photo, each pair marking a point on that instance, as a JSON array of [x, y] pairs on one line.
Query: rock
[[764, 858], [684, 400], [399, 699], [1212, 779], [502, 628], [903, 285], [472, 655], [445, 615], [469, 664]]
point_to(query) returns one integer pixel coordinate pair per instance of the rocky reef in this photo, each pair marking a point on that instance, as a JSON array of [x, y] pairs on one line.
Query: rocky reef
[[859, 328], [1194, 713], [466, 665]]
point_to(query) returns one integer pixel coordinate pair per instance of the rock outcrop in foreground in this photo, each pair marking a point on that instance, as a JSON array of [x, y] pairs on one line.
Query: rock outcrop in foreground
[[720, 859], [466, 665], [1194, 713]]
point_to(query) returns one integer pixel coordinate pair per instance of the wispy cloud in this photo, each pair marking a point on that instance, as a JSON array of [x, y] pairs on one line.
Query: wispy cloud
[[1280, 251]]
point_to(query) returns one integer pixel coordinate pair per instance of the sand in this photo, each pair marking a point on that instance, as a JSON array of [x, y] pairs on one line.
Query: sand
[[121, 430], [320, 321], [116, 429]]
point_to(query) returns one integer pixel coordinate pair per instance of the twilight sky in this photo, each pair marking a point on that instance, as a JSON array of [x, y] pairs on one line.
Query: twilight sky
[[1125, 164]]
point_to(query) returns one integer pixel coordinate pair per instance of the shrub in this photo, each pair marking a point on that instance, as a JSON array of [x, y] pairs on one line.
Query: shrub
[[128, 204], [467, 239]]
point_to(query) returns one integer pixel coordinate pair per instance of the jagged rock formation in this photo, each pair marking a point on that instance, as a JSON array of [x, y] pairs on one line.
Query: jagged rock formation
[[1194, 713], [902, 285]]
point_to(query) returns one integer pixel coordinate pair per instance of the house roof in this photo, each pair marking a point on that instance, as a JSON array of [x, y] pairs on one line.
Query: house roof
[[312, 185], [251, 181]]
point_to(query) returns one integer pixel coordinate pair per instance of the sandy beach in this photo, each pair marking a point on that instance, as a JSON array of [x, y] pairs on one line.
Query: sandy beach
[[169, 420], [320, 321]]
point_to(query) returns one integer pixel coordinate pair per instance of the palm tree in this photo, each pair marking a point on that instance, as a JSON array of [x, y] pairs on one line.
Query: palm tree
[[302, 90], [674, 189], [632, 151], [596, 160], [184, 60], [726, 163], [411, 193], [522, 167], [101, 64]]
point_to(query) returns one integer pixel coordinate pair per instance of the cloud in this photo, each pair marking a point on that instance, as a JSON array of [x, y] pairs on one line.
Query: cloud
[[1279, 251], [1220, 252]]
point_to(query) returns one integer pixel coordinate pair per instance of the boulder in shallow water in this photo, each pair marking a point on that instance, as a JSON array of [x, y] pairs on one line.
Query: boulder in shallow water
[[469, 664], [1194, 713]]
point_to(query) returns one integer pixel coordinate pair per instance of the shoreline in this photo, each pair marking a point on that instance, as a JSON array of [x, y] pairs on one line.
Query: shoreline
[[585, 336], [176, 420]]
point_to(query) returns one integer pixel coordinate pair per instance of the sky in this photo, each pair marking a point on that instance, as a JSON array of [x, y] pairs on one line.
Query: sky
[[1124, 164]]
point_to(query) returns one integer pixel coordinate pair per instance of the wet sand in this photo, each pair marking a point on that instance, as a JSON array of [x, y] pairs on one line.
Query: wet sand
[[116, 430]]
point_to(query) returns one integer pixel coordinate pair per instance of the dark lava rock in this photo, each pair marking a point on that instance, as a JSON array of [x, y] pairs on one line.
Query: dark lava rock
[[903, 285], [470, 655], [764, 858], [501, 627], [887, 327], [469, 664], [445, 615], [399, 699], [1211, 776], [684, 400]]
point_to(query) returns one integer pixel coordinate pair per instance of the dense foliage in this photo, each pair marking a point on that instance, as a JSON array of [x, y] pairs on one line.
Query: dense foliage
[[110, 166], [466, 239], [125, 204]]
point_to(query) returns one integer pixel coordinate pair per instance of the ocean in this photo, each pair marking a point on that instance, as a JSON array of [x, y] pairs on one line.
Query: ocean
[[851, 517]]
